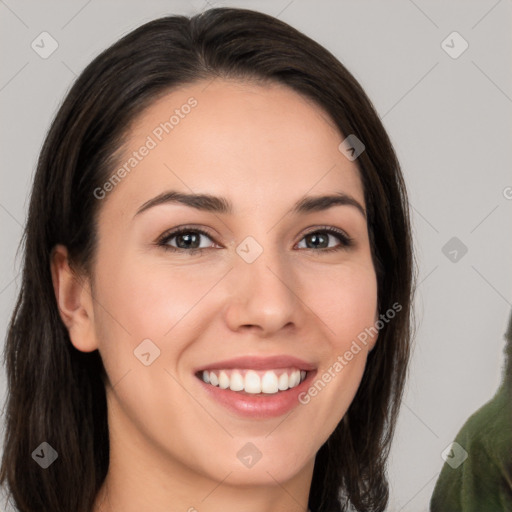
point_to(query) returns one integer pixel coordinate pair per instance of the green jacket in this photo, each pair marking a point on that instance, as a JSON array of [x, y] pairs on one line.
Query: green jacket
[[483, 482]]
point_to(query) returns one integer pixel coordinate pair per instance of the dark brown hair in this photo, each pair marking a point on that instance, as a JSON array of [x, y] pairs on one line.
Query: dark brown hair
[[55, 392]]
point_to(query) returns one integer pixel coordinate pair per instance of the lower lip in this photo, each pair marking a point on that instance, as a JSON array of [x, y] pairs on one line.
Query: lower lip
[[259, 405]]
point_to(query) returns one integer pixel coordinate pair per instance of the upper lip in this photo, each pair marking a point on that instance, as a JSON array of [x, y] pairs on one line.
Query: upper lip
[[258, 363]]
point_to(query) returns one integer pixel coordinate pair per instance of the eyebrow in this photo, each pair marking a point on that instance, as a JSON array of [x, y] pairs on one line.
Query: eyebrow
[[215, 204]]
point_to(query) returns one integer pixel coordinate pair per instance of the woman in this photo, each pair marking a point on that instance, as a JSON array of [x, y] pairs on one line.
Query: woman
[[216, 298]]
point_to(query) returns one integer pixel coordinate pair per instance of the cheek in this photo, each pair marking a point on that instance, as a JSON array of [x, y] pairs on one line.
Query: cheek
[[150, 299], [346, 301], [347, 306], [137, 300]]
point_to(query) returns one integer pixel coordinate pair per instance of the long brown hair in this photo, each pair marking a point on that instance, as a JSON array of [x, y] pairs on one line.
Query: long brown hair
[[55, 392]]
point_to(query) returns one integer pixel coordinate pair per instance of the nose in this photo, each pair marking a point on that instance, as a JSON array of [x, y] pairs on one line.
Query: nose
[[264, 296]]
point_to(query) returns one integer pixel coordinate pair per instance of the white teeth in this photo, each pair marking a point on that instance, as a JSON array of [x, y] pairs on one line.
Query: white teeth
[[255, 382], [252, 382], [237, 382], [269, 383], [283, 382], [294, 379], [213, 379], [223, 380]]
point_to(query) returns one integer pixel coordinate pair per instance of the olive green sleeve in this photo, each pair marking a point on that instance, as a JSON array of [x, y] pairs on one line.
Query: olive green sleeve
[[483, 482]]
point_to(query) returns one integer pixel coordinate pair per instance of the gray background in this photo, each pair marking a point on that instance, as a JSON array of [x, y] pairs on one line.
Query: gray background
[[449, 119]]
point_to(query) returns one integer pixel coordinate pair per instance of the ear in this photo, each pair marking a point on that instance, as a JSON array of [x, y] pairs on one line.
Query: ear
[[74, 300]]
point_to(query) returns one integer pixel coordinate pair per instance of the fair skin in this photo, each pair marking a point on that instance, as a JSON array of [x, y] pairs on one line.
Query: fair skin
[[172, 447]]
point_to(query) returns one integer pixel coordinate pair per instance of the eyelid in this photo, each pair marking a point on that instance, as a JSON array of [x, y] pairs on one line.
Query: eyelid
[[178, 230], [327, 228]]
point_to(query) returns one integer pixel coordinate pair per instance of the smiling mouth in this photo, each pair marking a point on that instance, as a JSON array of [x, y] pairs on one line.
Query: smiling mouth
[[254, 382]]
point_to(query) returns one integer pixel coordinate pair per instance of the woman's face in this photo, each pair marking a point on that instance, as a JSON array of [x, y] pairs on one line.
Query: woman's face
[[273, 284]]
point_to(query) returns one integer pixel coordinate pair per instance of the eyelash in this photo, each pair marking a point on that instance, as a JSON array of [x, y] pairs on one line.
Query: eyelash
[[346, 241]]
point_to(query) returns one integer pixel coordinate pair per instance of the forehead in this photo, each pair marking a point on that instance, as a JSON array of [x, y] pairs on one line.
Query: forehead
[[261, 142]]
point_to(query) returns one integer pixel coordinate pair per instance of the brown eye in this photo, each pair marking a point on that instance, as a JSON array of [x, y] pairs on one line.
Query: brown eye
[[185, 239], [188, 240]]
